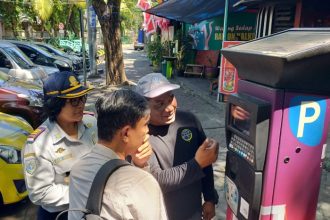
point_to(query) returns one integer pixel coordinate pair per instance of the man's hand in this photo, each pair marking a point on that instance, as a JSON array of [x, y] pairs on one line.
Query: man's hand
[[207, 153], [208, 210], [239, 113], [141, 157]]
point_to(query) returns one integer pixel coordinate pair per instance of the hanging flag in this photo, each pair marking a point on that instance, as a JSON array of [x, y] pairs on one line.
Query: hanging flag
[[143, 4], [150, 25], [151, 21]]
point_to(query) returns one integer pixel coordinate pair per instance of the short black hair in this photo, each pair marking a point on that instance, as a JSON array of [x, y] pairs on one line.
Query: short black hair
[[53, 106], [118, 109]]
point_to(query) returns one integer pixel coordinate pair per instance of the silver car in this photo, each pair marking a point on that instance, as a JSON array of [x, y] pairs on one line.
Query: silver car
[[40, 56], [76, 60], [16, 64]]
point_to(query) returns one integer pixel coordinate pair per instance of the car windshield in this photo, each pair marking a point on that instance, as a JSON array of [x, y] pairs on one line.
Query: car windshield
[[41, 50], [52, 49], [21, 59]]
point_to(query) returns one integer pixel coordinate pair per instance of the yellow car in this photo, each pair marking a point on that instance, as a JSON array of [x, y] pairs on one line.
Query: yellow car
[[13, 134]]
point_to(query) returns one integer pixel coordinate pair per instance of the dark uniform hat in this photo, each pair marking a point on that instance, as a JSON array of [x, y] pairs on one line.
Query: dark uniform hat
[[64, 85]]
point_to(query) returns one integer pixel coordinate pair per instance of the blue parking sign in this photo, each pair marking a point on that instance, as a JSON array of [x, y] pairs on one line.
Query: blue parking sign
[[307, 119], [92, 16]]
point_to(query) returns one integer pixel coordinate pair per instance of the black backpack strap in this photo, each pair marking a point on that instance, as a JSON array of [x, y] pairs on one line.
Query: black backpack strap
[[94, 201]]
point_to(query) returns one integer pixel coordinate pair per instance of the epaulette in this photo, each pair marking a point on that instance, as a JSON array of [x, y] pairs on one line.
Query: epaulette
[[33, 136], [89, 113]]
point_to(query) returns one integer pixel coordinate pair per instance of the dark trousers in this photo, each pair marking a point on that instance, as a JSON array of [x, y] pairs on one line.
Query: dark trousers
[[45, 215]]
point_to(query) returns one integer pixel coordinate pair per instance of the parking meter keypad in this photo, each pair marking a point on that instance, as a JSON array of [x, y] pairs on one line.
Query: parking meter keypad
[[242, 148]]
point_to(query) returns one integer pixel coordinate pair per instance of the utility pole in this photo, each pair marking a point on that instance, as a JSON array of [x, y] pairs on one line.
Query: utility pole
[[224, 38], [83, 44], [91, 17]]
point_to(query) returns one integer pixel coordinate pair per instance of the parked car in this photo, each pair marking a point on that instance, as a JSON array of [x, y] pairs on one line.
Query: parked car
[[13, 135], [22, 99], [138, 45], [16, 64], [40, 56], [47, 69], [76, 60]]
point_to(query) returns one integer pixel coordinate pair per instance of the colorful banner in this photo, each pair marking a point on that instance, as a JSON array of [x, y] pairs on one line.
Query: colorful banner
[[228, 74], [151, 21], [207, 35]]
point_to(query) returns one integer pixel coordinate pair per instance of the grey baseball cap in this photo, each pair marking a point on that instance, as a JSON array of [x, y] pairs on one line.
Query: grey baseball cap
[[153, 85]]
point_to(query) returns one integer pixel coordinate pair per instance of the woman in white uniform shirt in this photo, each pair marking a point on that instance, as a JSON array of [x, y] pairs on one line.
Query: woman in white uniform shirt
[[53, 148]]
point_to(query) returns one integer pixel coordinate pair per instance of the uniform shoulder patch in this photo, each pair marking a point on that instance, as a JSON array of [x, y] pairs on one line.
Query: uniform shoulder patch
[[31, 165], [33, 136], [89, 113]]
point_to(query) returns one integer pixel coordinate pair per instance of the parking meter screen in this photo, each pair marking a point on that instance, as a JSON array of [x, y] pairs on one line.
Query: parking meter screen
[[240, 119]]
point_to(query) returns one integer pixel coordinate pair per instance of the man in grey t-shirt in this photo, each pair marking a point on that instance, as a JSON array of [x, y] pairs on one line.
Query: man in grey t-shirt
[[130, 192]]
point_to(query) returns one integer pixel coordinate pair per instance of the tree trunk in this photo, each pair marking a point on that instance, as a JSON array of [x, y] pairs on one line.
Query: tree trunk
[[67, 21], [13, 25], [109, 18], [75, 28]]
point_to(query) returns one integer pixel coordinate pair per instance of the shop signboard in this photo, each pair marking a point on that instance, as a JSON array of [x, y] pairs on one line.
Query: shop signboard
[[75, 45], [228, 76], [207, 35]]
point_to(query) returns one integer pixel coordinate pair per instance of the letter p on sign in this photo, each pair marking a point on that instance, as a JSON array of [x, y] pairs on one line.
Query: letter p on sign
[[307, 119], [304, 119]]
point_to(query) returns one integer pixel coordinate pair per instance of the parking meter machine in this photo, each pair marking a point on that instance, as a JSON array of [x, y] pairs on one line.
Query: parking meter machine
[[277, 125]]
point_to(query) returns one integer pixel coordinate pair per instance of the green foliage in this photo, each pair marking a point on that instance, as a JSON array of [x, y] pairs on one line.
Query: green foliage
[[131, 18], [167, 47], [53, 12], [68, 14], [9, 13], [155, 50], [180, 58], [43, 8], [126, 40]]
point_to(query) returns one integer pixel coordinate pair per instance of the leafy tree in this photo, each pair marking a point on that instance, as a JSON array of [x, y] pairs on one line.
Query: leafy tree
[[131, 16], [43, 8], [109, 17], [53, 12], [9, 12]]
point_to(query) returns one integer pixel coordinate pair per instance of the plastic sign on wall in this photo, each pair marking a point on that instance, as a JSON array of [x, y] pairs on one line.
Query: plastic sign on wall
[[208, 34], [228, 74]]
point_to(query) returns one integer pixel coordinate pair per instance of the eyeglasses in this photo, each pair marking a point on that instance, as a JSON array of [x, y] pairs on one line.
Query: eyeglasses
[[76, 101]]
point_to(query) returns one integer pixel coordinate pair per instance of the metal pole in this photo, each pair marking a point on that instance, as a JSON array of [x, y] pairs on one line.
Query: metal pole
[[91, 17], [225, 21], [224, 38], [83, 45]]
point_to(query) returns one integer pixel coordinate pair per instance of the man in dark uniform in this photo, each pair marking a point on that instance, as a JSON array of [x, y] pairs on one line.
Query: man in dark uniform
[[183, 156]]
